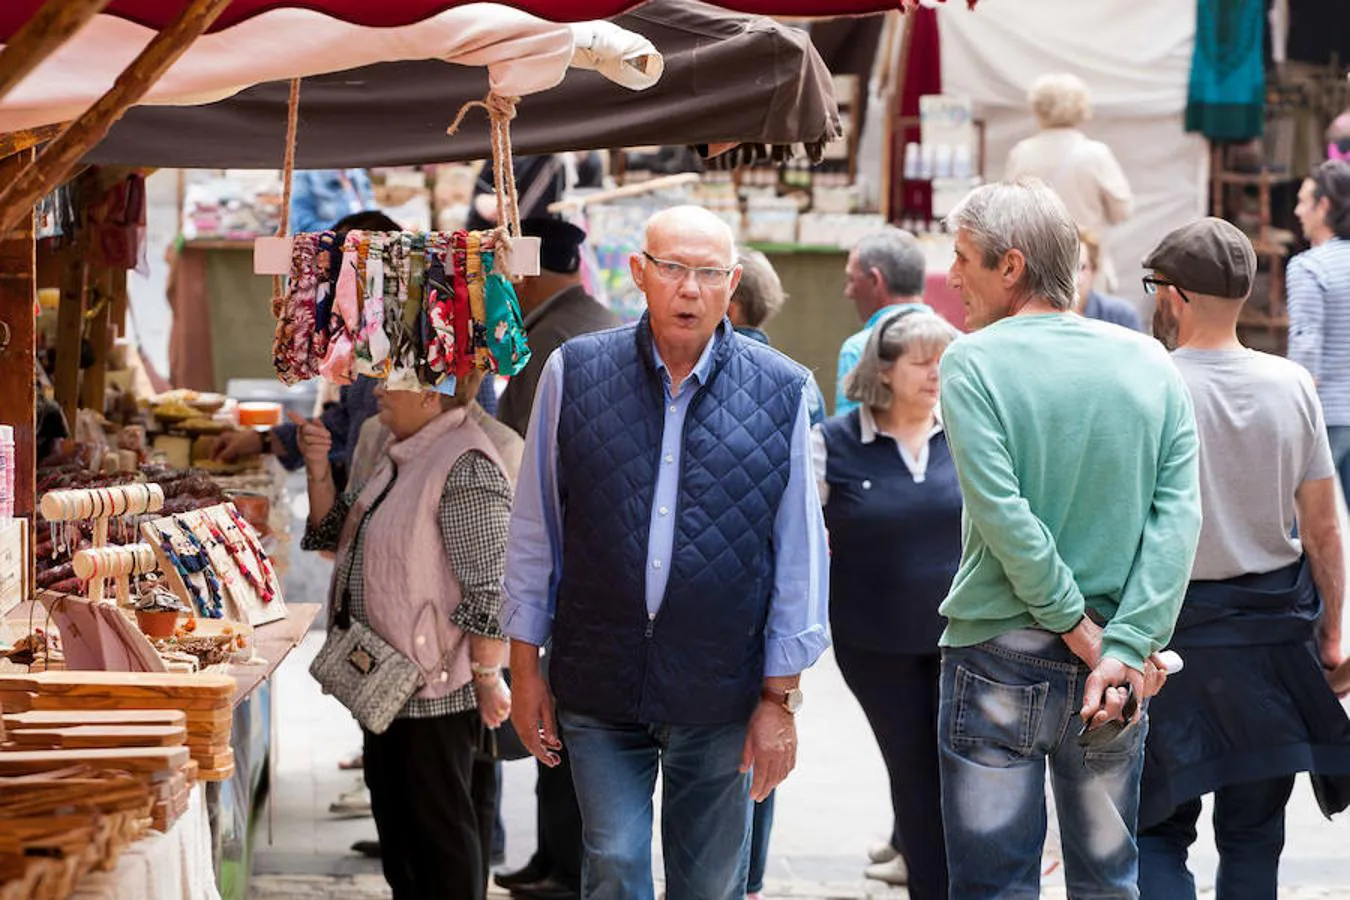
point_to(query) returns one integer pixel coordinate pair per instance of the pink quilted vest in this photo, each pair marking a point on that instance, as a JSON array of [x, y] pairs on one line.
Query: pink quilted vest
[[410, 589]]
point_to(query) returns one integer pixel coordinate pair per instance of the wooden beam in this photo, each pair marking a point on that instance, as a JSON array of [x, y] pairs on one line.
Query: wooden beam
[[50, 27], [13, 141], [18, 293], [62, 154]]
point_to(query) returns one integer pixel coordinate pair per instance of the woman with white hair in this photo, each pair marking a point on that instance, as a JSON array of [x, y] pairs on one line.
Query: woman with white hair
[[893, 509], [1082, 171]]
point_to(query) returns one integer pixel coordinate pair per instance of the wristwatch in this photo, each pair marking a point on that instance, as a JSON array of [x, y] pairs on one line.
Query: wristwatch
[[790, 700]]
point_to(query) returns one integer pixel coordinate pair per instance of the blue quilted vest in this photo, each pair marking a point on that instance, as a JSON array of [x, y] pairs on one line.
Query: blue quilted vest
[[701, 660]]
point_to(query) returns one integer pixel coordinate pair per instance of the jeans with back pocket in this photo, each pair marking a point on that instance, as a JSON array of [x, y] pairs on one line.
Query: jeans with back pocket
[[1008, 710]]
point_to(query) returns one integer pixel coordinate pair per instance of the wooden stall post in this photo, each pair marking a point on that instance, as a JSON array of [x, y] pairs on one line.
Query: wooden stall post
[[69, 330], [95, 377], [18, 356]]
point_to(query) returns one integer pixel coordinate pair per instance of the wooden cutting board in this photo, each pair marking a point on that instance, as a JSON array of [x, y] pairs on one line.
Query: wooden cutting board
[[144, 760], [71, 718], [24, 701], [216, 774], [214, 761], [126, 685], [89, 736]]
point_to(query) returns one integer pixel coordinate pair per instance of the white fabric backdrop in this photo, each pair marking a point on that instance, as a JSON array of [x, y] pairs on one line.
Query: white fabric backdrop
[[1134, 56]]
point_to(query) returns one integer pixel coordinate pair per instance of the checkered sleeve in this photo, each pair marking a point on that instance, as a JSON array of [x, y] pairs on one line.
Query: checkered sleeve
[[323, 535], [474, 511]]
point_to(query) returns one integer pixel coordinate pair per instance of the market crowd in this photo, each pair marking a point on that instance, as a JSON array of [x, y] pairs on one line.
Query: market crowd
[[999, 531]]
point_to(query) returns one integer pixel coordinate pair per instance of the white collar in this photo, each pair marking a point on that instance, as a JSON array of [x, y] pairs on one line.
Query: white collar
[[867, 424]]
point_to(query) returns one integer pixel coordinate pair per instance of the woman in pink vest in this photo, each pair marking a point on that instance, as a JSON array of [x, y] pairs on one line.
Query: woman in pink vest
[[420, 552]]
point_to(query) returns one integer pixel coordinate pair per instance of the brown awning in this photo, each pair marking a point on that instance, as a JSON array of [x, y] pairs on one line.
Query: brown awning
[[728, 78]]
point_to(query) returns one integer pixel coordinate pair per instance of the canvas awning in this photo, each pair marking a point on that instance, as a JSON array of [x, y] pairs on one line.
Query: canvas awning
[[157, 14], [522, 54], [728, 79]]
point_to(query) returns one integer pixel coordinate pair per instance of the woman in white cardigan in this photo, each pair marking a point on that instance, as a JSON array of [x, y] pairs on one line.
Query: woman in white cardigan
[[1082, 171]]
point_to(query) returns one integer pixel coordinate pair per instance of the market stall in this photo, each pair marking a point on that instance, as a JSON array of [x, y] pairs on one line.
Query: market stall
[[115, 513]]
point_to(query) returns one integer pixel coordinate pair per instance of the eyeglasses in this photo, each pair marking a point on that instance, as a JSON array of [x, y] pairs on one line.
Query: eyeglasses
[[676, 272], [1152, 283]]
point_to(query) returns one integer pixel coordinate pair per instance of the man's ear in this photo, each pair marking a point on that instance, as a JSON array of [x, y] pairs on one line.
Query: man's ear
[[1011, 267], [636, 268]]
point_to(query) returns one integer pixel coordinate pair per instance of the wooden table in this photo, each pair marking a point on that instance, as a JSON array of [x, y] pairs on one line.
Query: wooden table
[[272, 642]]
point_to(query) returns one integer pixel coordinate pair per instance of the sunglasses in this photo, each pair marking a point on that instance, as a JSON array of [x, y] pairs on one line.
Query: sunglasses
[[1152, 283], [1091, 738]]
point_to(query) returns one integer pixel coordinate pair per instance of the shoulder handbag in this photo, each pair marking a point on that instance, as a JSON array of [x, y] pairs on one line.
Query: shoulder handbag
[[364, 672]]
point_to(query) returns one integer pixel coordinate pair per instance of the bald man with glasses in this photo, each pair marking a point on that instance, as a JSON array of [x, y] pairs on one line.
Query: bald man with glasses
[[667, 538]]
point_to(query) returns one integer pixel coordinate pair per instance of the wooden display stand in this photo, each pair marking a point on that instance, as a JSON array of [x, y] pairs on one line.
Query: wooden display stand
[[100, 505], [248, 586]]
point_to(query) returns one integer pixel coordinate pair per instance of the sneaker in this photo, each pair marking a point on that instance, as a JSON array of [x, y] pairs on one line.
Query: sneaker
[[881, 853], [354, 804], [894, 872]]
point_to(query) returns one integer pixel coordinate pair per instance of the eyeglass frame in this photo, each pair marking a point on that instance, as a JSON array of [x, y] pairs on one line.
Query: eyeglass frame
[[1153, 282], [723, 274]]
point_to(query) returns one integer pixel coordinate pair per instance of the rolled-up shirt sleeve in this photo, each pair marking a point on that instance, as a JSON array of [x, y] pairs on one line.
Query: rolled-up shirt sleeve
[[798, 628], [322, 536], [534, 539]]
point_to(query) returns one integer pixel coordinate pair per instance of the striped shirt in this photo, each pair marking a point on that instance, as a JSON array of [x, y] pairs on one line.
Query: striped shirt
[[1318, 288]]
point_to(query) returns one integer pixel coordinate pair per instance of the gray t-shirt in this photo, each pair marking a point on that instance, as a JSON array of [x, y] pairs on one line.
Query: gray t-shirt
[[1261, 436]]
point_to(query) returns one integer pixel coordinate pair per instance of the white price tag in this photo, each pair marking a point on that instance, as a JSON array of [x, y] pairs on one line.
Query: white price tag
[[271, 256], [523, 259]]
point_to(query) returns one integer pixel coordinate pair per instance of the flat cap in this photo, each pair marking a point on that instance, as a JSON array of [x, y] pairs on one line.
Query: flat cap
[[1209, 256], [560, 243]]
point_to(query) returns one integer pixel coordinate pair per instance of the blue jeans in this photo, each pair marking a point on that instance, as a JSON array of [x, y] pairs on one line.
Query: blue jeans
[[761, 826], [1248, 831], [1008, 708], [705, 817]]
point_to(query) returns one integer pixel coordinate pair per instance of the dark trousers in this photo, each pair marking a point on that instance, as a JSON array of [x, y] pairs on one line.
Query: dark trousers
[[558, 823], [761, 827], [432, 801], [1249, 835], [898, 693]]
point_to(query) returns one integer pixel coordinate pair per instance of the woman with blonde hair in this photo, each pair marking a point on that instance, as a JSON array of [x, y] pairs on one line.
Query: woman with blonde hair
[[893, 510], [1084, 172]]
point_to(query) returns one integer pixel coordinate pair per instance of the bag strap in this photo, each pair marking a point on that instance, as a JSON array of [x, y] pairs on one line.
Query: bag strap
[[342, 617]]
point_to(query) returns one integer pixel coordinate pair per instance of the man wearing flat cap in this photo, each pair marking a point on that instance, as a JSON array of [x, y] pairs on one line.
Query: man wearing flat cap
[[1262, 614], [556, 307]]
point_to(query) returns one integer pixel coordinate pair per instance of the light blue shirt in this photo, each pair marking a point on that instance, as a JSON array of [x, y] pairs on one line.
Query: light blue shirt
[[851, 351], [797, 631]]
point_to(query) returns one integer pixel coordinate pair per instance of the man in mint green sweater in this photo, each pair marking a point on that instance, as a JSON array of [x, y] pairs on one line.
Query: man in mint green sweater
[[1076, 449]]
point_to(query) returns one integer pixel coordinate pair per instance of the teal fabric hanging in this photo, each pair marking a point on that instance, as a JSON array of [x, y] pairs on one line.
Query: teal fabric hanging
[[1226, 99], [505, 326]]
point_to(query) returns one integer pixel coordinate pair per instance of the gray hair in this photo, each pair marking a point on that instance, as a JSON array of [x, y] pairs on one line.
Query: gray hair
[[1024, 215], [1060, 100], [896, 254], [760, 293], [903, 331]]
